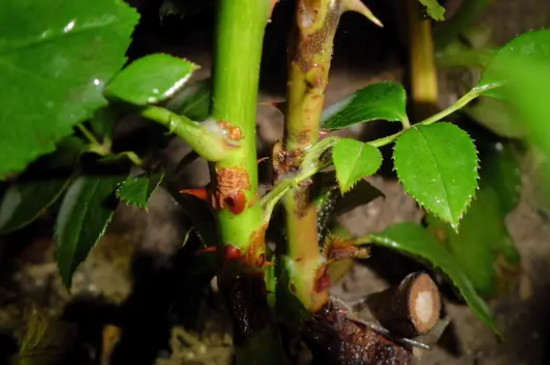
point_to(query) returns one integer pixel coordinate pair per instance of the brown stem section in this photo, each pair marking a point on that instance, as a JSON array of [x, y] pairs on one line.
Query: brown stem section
[[311, 52], [409, 310], [335, 339]]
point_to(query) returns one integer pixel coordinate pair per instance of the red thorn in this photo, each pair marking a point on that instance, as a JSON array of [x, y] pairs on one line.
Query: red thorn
[[260, 160], [207, 249], [269, 263], [201, 193]]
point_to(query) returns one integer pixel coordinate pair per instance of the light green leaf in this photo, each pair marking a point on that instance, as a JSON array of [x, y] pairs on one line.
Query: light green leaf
[[24, 201], [520, 61], [433, 8], [354, 160], [483, 246], [497, 116], [138, 190], [412, 239], [384, 100], [437, 165], [150, 79], [85, 212], [55, 57]]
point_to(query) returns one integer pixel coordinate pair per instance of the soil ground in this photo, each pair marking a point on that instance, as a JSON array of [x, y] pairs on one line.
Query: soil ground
[[131, 273]]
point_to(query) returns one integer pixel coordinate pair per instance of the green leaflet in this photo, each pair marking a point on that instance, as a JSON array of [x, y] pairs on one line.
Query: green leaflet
[[384, 100], [55, 57], [437, 165], [24, 201], [354, 160], [414, 240], [482, 238], [520, 62], [522, 65], [497, 116], [433, 8], [193, 101], [150, 79], [138, 190], [85, 212]]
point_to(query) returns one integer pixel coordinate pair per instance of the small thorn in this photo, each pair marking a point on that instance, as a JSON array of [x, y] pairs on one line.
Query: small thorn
[[260, 160], [208, 249], [201, 193], [269, 263], [358, 7]]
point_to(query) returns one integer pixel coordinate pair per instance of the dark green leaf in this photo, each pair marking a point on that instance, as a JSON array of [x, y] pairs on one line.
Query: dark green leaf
[[354, 160], [150, 79], [437, 165], [24, 201], [193, 101], [500, 171], [385, 100], [450, 30], [482, 238], [433, 9], [104, 121], [138, 190], [55, 57], [414, 240], [85, 212], [330, 202]]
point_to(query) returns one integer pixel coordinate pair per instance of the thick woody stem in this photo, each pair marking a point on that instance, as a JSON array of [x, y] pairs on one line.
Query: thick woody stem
[[409, 310], [310, 58]]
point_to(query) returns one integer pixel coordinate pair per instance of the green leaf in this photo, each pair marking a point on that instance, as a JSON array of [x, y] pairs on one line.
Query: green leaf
[[482, 245], [433, 8], [104, 121], [497, 116], [331, 203], [354, 160], [437, 165], [412, 239], [138, 190], [24, 201], [55, 57], [85, 212], [500, 171], [150, 79], [525, 58], [384, 100], [193, 101]]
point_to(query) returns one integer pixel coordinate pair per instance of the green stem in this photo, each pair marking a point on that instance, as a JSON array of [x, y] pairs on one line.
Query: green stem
[[206, 139], [89, 136], [240, 30], [459, 104]]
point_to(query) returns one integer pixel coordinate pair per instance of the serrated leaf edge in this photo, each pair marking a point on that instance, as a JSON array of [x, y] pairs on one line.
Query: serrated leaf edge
[[471, 196]]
